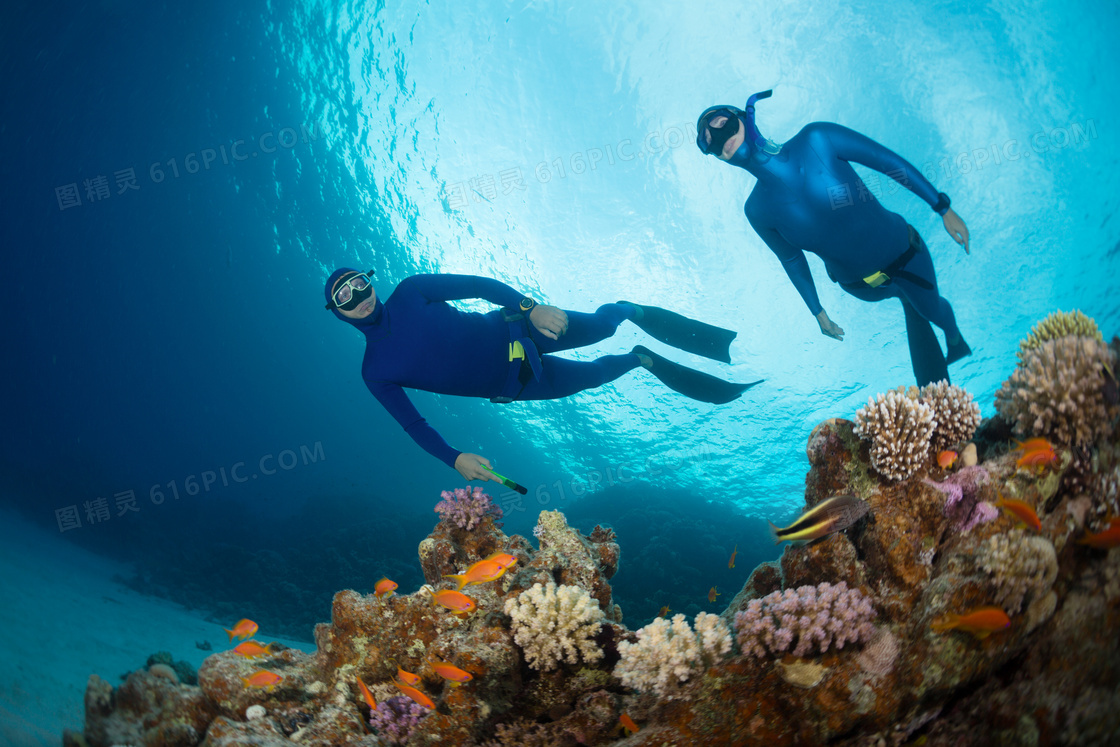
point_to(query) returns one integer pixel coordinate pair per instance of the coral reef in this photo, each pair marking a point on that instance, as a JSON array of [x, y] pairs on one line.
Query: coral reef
[[1057, 325], [669, 653], [815, 617], [554, 623], [466, 507], [552, 665], [955, 413], [1058, 391], [899, 427]]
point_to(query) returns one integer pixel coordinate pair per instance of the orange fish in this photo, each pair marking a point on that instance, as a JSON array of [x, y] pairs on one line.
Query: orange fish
[[450, 672], [384, 587], [455, 601], [1037, 452], [946, 459], [981, 622], [627, 724], [407, 678], [503, 558], [1033, 444], [712, 594], [731, 562], [243, 629], [1020, 511], [415, 694], [1105, 539], [664, 611], [262, 679], [367, 695], [252, 649], [483, 571]]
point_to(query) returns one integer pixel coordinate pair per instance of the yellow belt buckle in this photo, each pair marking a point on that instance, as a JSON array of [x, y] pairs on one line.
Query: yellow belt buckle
[[876, 279], [516, 350]]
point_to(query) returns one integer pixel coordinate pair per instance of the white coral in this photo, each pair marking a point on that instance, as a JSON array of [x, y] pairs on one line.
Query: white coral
[[956, 414], [669, 653], [899, 426], [554, 623], [1021, 567]]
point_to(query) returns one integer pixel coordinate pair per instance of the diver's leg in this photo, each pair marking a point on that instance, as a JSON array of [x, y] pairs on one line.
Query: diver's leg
[[926, 358], [929, 303], [561, 377], [585, 329]]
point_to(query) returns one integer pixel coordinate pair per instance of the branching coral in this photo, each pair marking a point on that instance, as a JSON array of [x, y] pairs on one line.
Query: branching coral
[[1057, 325], [466, 508], [1021, 567], [899, 427], [956, 415], [554, 623], [962, 497], [669, 653], [1058, 391], [816, 617], [395, 718]]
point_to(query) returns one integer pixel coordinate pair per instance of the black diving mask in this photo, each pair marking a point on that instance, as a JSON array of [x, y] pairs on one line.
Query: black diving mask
[[352, 292]]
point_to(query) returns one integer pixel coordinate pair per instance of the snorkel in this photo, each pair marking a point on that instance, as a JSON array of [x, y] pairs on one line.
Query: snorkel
[[764, 145]]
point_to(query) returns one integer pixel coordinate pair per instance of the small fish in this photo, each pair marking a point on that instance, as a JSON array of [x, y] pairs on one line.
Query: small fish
[[712, 594], [731, 562], [262, 679], [252, 649], [415, 694], [833, 515], [407, 678], [628, 725], [1037, 452], [243, 629], [483, 571], [981, 622], [1021, 511], [455, 601], [1105, 539], [664, 611], [384, 587], [450, 672], [946, 459], [1033, 444], [504, 558], [367, 695]]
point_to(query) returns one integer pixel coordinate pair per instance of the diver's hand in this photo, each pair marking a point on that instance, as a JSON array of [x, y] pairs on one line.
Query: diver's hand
[[829, 327], [956, 228], [471, 467], [551, 321]]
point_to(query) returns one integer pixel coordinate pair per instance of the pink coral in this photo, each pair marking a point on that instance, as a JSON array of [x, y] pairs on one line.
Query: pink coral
[[466, 507], [962, 497], [817, 617], [395, 718]]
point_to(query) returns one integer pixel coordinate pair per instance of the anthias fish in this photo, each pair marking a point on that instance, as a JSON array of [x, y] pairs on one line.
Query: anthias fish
[[664, 611], [731, 562], [383, 587], [262, 679], [367, 696], [981, 622], [712, 594], [628, 724], [484, 571], [243, 629], [833, 515], [946, 459], [455, 601], [1021, 511], [1105, 539], [252, 649], [450, 672], [417, 696]]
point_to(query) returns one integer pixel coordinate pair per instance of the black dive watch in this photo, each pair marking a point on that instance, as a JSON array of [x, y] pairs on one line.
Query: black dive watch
[[943, 203]]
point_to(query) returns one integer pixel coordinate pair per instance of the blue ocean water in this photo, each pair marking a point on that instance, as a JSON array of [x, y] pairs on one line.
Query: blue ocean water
[[180, 181]]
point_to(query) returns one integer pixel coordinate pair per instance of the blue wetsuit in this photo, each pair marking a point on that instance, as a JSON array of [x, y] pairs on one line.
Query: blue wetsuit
[[417, 340], [809, 199]]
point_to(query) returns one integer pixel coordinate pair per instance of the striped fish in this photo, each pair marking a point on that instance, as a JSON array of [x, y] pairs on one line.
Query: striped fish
[[833, 515]]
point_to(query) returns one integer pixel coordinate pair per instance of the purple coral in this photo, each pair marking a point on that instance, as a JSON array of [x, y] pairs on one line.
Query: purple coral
[[962, 497], [466, 507], [395, 718], [815, 616]]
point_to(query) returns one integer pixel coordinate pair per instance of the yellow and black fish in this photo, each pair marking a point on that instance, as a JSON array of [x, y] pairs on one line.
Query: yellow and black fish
[[833, 515]]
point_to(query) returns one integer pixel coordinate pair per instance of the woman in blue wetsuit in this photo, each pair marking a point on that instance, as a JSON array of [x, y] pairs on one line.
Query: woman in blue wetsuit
[[416, 339], [809, 199]]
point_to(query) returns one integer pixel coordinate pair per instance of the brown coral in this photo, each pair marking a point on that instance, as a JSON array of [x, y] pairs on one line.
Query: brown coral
[[1057, 325], [956, 415], [899, 426], [1058, 391]]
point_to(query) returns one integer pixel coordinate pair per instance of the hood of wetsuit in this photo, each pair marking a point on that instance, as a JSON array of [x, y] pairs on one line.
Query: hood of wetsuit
[[366, 325]]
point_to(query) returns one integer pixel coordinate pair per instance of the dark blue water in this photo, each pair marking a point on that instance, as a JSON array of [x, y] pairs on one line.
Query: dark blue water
[[180, 181]]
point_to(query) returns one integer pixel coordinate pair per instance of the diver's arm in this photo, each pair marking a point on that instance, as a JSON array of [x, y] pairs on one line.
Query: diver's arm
[[393, 398], [852, 146], [793, 261], [456, 287]]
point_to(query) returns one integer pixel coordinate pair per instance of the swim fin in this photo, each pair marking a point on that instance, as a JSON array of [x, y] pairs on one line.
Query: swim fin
[[692, 383], [925, 351], [958, 350], [684, 333]]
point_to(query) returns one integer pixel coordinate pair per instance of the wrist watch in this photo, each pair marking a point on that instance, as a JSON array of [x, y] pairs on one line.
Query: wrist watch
[[527, 305], [942, 205]]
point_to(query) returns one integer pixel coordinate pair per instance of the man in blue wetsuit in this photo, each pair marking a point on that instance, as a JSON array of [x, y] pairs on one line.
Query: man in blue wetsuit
[[416, 339], [809, 199]]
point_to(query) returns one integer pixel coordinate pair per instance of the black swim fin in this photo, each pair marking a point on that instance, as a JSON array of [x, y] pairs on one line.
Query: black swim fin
[[957, 351], [684, 333], [692, 383], [925, 351]]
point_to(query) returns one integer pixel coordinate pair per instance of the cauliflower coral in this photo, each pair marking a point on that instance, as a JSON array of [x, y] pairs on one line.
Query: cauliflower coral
[[554, 623], [816, 617], [668, 653]]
